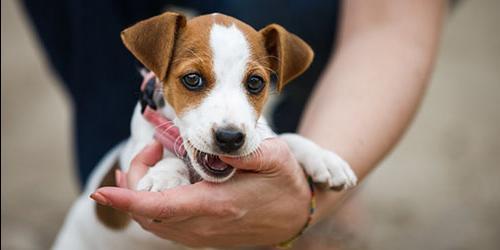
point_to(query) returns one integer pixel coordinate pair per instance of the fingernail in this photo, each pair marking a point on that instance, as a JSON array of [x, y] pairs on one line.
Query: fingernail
[[99, 198]]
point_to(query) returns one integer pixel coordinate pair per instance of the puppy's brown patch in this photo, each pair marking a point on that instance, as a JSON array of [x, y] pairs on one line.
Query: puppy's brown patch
[[110, 217], [192, 54], [290, 55], [152, 41]]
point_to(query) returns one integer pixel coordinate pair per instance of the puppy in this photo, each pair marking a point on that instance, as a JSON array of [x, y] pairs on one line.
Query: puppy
[[210, 77]]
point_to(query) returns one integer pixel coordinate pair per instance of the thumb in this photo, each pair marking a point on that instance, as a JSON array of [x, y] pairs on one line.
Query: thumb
[[269, 157], [147, 157]]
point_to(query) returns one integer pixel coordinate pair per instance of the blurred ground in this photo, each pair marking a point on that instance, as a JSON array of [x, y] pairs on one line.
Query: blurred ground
[[438, 190]]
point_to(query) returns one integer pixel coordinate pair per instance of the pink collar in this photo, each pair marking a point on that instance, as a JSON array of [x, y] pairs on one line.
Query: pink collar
[[165, 130]]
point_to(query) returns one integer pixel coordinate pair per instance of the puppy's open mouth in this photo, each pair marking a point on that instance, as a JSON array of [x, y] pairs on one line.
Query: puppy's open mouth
[[213, 165]]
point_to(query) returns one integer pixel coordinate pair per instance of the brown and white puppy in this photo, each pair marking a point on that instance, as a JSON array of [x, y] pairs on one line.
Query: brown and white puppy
[[216, 73]]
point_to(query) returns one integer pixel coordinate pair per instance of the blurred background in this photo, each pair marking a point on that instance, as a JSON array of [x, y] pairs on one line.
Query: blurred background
[[439, 189]]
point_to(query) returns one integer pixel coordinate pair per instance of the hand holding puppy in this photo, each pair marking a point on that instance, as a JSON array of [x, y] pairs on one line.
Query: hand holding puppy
[[265, 204]]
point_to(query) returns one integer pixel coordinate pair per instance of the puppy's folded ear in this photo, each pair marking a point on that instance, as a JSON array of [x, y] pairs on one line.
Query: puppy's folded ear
[[290, 55], [152, 41]]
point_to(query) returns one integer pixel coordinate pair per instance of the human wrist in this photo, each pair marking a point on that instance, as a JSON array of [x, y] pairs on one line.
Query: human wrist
[[311, 207]]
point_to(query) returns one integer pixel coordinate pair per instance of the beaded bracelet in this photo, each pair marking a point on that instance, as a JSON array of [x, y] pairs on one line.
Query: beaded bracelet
[[288, 243]]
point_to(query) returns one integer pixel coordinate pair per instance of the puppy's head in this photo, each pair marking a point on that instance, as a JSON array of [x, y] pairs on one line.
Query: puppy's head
[[216, 73]]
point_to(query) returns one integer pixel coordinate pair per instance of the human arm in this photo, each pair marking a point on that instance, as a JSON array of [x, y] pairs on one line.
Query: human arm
[[371, 88]]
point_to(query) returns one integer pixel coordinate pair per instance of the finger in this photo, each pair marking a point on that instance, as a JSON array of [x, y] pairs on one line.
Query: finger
[[181, 201], [118, 177], [121, 179], [266, 159], [148, 157]]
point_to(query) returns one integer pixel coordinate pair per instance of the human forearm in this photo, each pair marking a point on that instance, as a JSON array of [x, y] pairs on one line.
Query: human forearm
[[372, 87]]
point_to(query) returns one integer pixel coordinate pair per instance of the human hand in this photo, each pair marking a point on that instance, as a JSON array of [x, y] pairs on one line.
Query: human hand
[[265, 203]]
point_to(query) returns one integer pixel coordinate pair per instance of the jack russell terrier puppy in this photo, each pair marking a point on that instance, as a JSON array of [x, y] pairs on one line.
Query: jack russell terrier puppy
[[210, 78]]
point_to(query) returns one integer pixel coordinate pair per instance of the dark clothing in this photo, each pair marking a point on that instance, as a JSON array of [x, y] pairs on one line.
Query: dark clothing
[[82, 41]]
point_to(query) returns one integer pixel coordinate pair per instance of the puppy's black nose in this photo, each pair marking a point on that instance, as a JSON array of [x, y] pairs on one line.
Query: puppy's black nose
[[229, 139]]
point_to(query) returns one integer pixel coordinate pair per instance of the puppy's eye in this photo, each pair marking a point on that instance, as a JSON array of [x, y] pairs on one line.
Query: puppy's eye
[[255, 84], [192, 81]]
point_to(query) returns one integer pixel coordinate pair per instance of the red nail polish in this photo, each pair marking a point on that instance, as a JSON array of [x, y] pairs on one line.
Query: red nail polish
[[99, 198]]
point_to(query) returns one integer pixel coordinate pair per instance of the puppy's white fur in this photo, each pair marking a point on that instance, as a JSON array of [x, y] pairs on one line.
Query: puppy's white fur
[[226, 104]]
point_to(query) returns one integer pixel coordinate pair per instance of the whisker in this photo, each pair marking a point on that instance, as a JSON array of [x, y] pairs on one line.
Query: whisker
[[161, 124], [167, 129], [177, 149], [261, 156]]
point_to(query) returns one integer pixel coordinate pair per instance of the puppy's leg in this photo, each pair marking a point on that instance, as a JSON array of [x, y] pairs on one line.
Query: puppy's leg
[[167, 173], [322, 165]]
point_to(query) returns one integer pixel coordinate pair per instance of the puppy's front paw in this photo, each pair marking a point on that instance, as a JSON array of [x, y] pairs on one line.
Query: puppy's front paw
[[167, 173], [322, 165], [327, 167]]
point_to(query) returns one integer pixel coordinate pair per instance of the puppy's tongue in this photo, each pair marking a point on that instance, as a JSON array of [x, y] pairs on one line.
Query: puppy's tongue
[[212, 161], [216, 163]]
